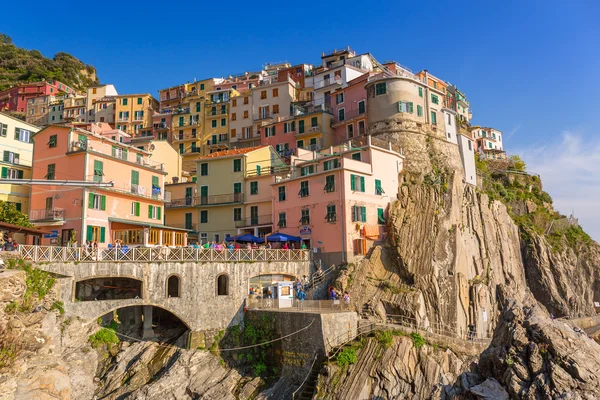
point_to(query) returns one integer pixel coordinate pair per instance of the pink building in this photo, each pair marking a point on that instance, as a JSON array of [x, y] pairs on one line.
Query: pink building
[[337, 199], [349, 107], [131, 209], [15, 98]]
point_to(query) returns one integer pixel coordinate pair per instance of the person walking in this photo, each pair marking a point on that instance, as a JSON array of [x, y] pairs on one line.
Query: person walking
[[301, 297], [9, 245], [471, 331], [346, 301]]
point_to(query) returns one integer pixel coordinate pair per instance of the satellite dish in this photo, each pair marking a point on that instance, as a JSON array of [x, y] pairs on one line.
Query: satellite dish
[[152, 147]]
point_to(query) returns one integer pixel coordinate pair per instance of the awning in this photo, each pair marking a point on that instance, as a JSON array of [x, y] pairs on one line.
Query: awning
[[21, 229], [144, 224], [371, 232]]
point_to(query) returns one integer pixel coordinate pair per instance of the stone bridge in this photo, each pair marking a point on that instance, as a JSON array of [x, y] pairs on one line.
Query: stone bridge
[[201, 305]]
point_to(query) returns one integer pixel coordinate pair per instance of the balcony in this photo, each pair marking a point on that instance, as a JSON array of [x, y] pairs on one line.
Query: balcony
[[218, 144], [107, 150], [161, 125], [328, 82], [263, 115], [138, 117], [123, 119], [217, 199], [186, 136], [184, 202], [47, 214], [216, 112], [180, 110], [311, 130], [256, 220]]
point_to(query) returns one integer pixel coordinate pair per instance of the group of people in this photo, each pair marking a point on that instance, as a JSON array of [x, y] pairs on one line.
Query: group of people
[[247, 246], [335, 295]]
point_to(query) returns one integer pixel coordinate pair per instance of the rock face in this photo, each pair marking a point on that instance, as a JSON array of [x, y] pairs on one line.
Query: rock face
[[397, 372]]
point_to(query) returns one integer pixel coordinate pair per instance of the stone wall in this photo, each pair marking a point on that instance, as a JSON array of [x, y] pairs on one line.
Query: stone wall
[[12, 286], [198, 307]]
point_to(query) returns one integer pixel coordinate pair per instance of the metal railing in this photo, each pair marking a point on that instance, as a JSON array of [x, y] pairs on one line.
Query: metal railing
[[295, 305], [438, 329], [254, 221], [47, 214], [154, 254], [327, 82]]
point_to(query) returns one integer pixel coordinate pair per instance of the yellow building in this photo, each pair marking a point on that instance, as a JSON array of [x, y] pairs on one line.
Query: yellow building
[[216, 123], [233, 193], [16, 147], [161, 152], [134, 113], [181, 211]]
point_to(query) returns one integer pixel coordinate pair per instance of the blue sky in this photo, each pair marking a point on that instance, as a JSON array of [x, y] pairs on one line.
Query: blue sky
[[529, 68]]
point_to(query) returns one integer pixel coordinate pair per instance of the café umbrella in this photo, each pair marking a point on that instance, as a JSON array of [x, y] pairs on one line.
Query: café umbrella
[[246, 238]]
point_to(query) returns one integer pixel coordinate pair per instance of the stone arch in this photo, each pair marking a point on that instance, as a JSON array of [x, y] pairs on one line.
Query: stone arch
[[173, 286], [111, 309], [77, 282], [222, 284]]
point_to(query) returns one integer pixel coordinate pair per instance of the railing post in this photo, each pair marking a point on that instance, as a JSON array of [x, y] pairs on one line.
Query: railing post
[[35, 253], [196, 252], [79, 251]]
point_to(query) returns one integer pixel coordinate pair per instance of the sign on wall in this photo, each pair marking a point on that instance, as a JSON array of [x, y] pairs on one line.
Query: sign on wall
[[305, 230]]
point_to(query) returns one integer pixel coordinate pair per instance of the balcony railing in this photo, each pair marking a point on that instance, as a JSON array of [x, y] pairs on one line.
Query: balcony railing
[[186, 136], [47, 214], [107, 150], [328, 82], [309, 130], [123, 119], [211, 200], [161, 125], [184, 202], [154, 254], [263, 115], [218, 111], [349, 115], [254, 221]]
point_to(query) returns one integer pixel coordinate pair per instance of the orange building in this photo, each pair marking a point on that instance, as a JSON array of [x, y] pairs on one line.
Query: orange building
[[132, 210]]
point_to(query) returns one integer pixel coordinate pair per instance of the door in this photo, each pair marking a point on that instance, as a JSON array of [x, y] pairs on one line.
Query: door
[[188, 196], [203, 194], [188, 220], [254, 215]]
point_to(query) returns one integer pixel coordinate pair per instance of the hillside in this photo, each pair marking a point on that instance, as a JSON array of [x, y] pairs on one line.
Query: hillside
[[18, 65]]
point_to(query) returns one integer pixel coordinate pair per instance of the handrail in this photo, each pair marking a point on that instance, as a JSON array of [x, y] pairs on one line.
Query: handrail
[[436, 328], [306, 377], [156, 254]]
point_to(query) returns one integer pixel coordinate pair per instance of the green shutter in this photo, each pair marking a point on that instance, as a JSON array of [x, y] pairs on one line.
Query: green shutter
[[20, 174], [103, 202], [410, 107], [124, 154], [362, 183], [158, 209], [102, 234], [114, 151], [326, 166], [4, 172], [380, 216], [137, 209], [377, 186], [6, 156], [149, 211], [352, 183], [90, 233], [135, 177], [155, 181], [363, 211], [91, 201]]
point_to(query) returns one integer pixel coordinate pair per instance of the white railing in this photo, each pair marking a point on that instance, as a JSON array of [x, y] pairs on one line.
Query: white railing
[[154, 254], [259, 303]]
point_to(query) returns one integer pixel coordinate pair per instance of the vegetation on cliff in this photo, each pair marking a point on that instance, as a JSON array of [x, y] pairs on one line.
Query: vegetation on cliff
[[10, 215], [18, 65], [39, 283]]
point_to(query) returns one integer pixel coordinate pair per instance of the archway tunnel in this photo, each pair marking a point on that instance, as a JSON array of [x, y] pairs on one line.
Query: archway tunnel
[[147, 323], [109, 288]]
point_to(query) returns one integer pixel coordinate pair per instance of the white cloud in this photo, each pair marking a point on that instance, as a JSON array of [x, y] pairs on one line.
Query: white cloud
[[570, 172]]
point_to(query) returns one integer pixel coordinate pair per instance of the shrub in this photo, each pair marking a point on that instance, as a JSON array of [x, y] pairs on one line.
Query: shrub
[[418, 340], [103, 336], [9, 347], [58, 305], [347, 357], [385, 338]]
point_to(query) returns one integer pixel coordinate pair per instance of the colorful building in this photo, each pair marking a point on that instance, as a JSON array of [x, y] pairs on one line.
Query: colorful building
[[271, 101], [337, 199], [104, 110], [17, 154], [233, 195], [130, 210], [15, 98], [488, 142], [75, 109], [44, 110], [241, 122], [134, 113], [182, 211], [459, 103], [216, 120], [349, 108], [93, 95]]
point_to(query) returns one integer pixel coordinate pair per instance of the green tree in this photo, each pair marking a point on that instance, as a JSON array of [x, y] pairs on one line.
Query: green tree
[[10, 215], [5, 39], [518, 163]]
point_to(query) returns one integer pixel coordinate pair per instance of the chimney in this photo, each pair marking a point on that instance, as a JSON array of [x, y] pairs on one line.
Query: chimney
[[175, 179]]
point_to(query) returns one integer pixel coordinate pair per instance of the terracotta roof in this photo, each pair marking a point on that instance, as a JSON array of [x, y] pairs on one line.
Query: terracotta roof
[[234, 152]]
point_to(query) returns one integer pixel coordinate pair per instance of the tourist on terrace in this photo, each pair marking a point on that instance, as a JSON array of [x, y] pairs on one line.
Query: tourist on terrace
[[254, 246], [237, 246], [285, 246], [206, 245], [248, 246], [303, 247], [301, 297], [346, 301], [9, 245]]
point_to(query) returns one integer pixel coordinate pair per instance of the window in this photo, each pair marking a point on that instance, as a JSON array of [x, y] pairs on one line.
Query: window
[[434, 84], [155, 187], [300, 144], [449, 119], [275, 108], [359, 214], [310, 169], [350, 131], [96, 233], [254, 187], [98, 171], [381, 217], [11, 157], [331, 164], [51, 172], [181, 148], [222, 285], [139, 100], [234, 103], [281, 191], [3, 128], [223, 121], [470, 146], [357, 183], [405, 107], [204, 169], [246, 114], [275, 92], [303, 189], [204, 216], [356, 156], [173, 286], [434, 99], [213, 123], [330, 216], [154, 212], [263, 94], [22, 135], [202, 86], [341, 114], [330, 183], [237, 187], [53, 141], [10, 173], [237, 165], [380, 88], [419, 111], [223, 109], [378, 189], [339, 98], [433, 118], [237, 214], [314, 122], [246, 100], [420, 92], [233, 116], [361, 107], [124, 102], [305, 218], [281, 223], [135, 208], [97, 202]]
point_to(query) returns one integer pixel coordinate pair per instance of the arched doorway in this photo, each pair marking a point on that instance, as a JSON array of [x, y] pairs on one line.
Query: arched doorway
[[109, 288], [174, 286], [223, 285]]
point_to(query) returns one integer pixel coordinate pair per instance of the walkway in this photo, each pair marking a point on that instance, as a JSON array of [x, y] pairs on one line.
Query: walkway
[[295, 305]]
